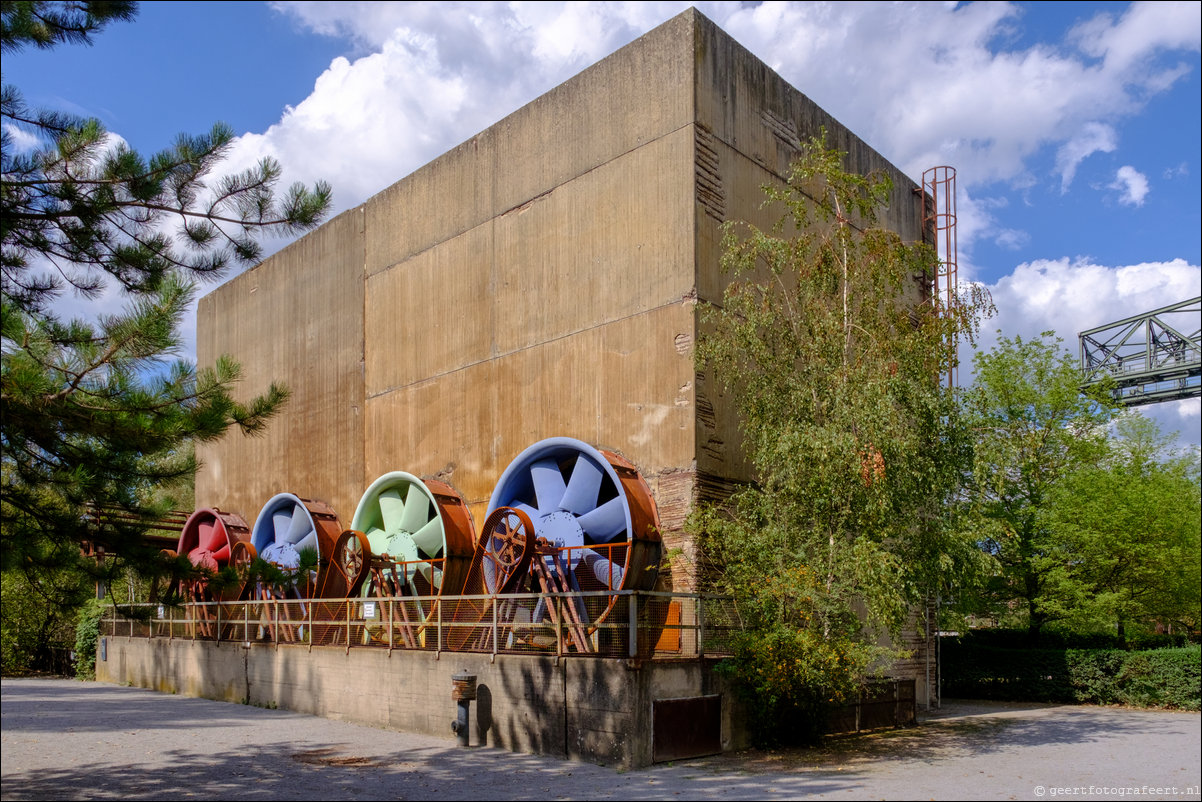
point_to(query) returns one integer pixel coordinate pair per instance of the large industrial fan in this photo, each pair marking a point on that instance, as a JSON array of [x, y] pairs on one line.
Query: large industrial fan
[[594, 528], [409, 537], [287, 526], [213, 540], [210, 538], [419, 535]]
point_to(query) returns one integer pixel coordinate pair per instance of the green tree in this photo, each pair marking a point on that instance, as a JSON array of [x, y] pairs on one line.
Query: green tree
[[830, 351], [36, 627], [104, 413], [1032, 428], [1131, 527]]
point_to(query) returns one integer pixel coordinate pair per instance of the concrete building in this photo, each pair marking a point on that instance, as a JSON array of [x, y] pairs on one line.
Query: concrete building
[[541, 279]]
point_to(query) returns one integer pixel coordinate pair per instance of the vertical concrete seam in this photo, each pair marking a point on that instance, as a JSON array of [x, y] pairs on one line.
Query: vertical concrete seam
[[363, 420], [563, 688]]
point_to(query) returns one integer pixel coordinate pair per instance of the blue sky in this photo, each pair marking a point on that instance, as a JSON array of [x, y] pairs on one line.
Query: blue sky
[[1075, 127]]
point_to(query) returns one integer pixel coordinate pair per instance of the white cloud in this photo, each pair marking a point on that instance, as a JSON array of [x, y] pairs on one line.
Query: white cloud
[[1092, 138], [1132, 186], [1179, 171], [22, 140], [923, 83], [1072, 295], [927, 83], [1011, 238], [429, 76], [1126, 44]]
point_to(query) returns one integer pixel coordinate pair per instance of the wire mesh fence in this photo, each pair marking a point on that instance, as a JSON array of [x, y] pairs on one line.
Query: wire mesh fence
[[622, 624]]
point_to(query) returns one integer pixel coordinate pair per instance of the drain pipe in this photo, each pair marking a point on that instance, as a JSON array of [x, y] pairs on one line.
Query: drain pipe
[[463, 691]]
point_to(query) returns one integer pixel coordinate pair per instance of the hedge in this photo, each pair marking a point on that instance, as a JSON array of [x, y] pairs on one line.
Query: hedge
[[1005, 638], [1156, 678]]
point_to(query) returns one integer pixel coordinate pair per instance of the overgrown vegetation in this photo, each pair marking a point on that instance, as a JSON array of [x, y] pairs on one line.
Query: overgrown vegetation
[[87, 635], [1130, 527], [37, 617], [830, 352]]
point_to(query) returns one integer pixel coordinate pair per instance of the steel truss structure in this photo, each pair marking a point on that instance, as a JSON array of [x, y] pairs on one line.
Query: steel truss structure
[[1148, 358]]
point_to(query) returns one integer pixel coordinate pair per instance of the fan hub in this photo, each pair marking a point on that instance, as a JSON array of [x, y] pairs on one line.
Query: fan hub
[[560, 527], [284, 555], [203, 558]]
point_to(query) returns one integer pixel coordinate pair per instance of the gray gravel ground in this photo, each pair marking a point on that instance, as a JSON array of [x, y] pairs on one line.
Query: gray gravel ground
[[63, 739]]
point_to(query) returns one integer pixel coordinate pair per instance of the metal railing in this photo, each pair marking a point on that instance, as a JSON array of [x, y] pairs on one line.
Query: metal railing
[[621, 624]]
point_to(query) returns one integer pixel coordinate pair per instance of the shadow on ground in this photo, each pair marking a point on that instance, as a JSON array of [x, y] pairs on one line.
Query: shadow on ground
[[961, 729]]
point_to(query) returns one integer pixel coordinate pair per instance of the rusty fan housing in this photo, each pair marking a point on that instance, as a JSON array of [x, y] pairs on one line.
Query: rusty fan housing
[[210, 537]]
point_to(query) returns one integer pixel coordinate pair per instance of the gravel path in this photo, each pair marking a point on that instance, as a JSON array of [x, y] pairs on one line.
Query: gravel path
[[63, 739]]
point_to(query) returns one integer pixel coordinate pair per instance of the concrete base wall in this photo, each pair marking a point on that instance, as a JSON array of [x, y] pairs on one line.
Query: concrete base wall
[[594, 710]]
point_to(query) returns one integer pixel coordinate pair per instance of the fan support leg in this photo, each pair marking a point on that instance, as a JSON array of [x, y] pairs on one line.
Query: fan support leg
[[557, 582]]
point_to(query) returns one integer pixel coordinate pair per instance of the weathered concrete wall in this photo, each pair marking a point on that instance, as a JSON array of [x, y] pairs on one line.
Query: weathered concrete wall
[[540, 322], [586, 709], [538, 280], [297, 318], [532, 282]]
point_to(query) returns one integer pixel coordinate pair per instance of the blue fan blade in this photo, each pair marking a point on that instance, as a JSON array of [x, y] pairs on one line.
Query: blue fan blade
[[281, 554], [281, 522], [308, 542], [606, 522], [583, 487], [530, 511], [301, 525], [548, 484], [607, 573]]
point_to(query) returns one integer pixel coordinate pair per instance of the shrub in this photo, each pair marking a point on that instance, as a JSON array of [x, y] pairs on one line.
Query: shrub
[[1153, 678], [790, 678], [87, 634], [1162, 678]]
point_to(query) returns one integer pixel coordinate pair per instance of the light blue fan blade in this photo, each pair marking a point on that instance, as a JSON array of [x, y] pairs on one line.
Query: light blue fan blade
[[281, 522], [308, 542], [608, 573], [548, 485], [526, 508], [268, 554], [417, 509], [606, 522], [392, 509], [583, 487], [301, 524], [428, 539]]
